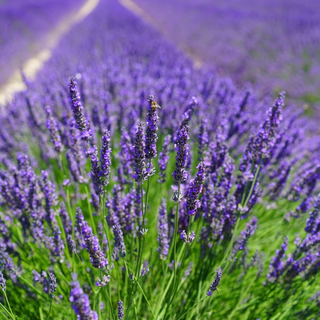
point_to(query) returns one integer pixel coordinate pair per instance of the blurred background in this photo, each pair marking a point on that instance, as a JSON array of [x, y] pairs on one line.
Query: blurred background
[[274, 44], [25, 27]]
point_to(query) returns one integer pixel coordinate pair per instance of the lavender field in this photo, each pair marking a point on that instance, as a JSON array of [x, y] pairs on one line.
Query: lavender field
[[142, 180]]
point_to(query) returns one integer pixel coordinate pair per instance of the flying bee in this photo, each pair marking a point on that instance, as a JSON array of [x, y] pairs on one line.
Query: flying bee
[[154, 106]]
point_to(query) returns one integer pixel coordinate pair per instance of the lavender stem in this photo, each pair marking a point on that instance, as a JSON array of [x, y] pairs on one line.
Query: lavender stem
[[90, 211], [50, 309], [193, 307]]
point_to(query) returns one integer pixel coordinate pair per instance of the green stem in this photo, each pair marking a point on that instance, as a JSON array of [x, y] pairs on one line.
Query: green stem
[[192, 307], [143, 225], [110, 303], [90, 210], [4, 309], [226, 255], [168, 285], [146, 299], [5, 295], [31, 285], [176, 225], [139, 235], [40, 313], [244, 203], [252, 185], [49, 309]]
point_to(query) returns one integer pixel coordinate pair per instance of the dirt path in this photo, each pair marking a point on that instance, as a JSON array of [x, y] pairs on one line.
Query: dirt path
[[35, 63], [138, 11]]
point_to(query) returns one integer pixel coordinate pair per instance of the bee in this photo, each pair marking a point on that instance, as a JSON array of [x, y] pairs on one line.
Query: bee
[[154, 105]]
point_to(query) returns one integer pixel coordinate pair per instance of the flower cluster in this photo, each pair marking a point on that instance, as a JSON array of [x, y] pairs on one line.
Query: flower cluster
[[78, 111], [92, 245], [180, 174], [80, 303]]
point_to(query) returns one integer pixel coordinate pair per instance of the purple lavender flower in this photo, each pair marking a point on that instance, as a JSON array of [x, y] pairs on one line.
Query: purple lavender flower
[[282, 174], [144, 271], [74, 145], [194, 190], [180, 174], [78, 112], [246, 234], [73, 166], [139, 155], [54, 131], [2, 282], [188, 271], [80, 303], [164, 159], [105, 280], [276, 264], [312, 225], [120, 310], [105, 157], [52, 284], [95, 172], [71, 244], [187, 238], [265, 140], [118, 240], [216, 282], [58, 245], [137, 205], [151, 130], [97, 257], [67, 224], [304, 187], [49, 284], [49, 196], [126, 153], [37, 277], [163, 229], [79, 219]]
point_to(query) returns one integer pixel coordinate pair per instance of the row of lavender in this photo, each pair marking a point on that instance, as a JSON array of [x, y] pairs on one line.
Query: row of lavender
[[24, 26], [274, 44], [91, 211]]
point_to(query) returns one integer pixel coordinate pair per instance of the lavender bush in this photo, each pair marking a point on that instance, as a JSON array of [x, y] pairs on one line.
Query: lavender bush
[[134, 186]]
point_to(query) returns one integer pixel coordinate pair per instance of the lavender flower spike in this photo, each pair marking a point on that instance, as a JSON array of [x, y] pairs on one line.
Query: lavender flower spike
[[54, 131], [2, 282], [105, 280], [163, 230], [105, 157], [81, 304], [120, 310], [77, 108], [195, 189], [152, 127], [139, 155], [97, 257], [95, 172], [216, 282], [52, 284], [118, 240], [180, 174], [187, 238], [276, 263], [71, 244]]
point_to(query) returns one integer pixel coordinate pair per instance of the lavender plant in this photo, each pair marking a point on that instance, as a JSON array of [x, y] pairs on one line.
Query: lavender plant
[[111, 207]]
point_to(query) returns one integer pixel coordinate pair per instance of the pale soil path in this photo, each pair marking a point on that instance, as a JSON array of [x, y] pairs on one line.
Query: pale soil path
[[138, 11], [35, 63]]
